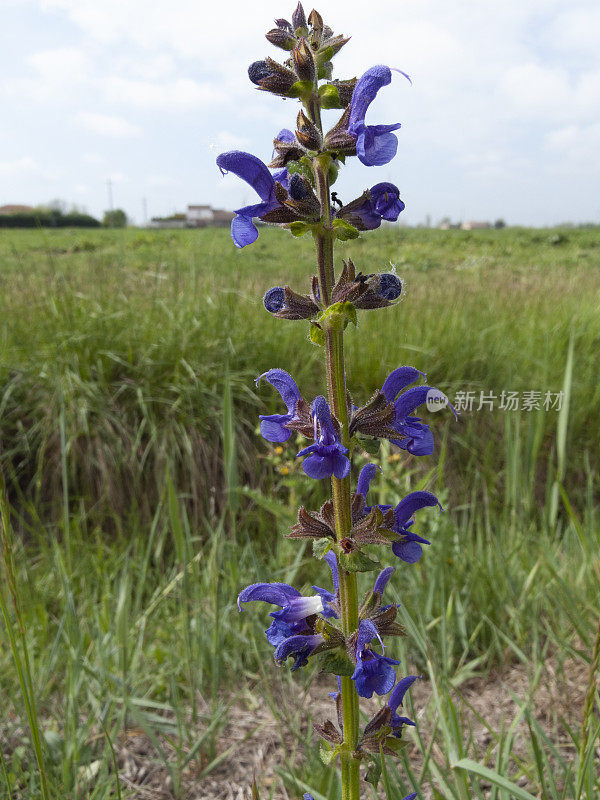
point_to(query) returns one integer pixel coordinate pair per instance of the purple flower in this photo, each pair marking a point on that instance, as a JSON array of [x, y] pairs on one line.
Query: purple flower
[[373, 673], [365, 477], [418, 438], [252, 170], [395, 700], [327, 456], [375, 144], [299, 648], [327, 596], [385, 199], [291, 619], [409, 548], [272, 426], [381, 201]]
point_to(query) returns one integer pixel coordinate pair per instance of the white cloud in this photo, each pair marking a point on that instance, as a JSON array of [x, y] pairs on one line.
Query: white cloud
[[24, 166], [108, 125], [574, 142], [181, 93]]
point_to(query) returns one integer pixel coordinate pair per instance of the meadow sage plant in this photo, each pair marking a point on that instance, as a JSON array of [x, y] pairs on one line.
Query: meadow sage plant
[[346, 634]]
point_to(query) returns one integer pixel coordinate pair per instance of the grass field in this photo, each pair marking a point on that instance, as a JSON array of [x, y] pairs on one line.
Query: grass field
[[139, 501]]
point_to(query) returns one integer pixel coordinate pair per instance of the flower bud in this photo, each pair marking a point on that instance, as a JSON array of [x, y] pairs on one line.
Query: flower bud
[[257, 71], [315, 20], [270, 76], [299, 19], [283, 302], [274, 299], [336, 43], [304, 63], [286, 149], [307, 132], [281, 38], [390, 286]]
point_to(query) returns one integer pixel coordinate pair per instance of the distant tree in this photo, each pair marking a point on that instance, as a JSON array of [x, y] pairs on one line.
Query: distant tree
[[115, 219], [499, 224]]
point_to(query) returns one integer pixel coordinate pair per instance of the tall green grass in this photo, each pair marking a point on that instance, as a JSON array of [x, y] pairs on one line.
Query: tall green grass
[[121, 342]]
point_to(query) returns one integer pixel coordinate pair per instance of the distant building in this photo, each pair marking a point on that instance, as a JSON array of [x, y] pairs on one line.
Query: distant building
[[174, 221], [15, 209], [205, 216], [195, 217], [475, 226]]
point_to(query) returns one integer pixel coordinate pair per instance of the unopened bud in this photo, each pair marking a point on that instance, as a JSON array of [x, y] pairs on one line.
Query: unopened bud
[[257, 71], [304, 62], [315, 20], [390, 286], [274, 299], [281, 38], [283, 302], [272, 77], [307, 133], [299, 19], [284, 24], [336, 43]]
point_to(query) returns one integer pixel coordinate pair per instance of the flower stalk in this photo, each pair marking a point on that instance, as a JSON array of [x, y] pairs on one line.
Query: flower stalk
[[345, 637], [335, 370]]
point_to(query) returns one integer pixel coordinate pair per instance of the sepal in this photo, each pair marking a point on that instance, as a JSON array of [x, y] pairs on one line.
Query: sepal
[[303, 61], [307, 132], [338, 138], [328, 731], [375, 419], [281, 37], [310, 526], [295, 306]]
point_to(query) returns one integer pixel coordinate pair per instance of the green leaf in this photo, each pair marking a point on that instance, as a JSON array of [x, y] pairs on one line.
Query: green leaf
[[299, 228], [370, 445], [357, 561], [301, 89], [317, 334], [322, 546], [327, 753], [493, 777], [343, 230], [336, 661], [330, 97], [373, 773], [395, 744], [338, 315]]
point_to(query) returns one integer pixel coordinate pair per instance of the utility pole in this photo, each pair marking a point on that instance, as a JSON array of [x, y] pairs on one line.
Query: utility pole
[[145, 211], [110, 199]]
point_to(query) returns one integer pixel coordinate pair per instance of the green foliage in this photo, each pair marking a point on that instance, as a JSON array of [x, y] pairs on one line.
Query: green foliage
[[116, 218], [48, 218]]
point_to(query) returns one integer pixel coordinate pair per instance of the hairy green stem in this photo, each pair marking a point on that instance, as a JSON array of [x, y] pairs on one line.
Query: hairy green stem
[[336, 391]]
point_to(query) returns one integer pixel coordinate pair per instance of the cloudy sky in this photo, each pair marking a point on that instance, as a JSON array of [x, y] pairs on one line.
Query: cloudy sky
[[502, 119]]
